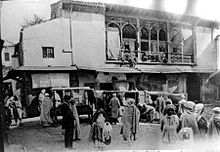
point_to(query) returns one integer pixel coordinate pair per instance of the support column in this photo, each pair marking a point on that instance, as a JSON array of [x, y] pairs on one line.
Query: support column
[[194, 45], [158, 43], [182, 51], [184, 84], [168, 43], [122, 42], [149, 38], [217, 52], [3, 135], [138, 40]]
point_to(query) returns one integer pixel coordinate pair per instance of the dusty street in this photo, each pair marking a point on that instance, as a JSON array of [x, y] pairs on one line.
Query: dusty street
[[38, 139]]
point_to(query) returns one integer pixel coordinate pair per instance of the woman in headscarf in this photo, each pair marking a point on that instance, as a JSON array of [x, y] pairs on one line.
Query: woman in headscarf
[[201, 121], [214, 125], [188, 122], [130, 121], [169, 125], [96, 131], [47, 105]]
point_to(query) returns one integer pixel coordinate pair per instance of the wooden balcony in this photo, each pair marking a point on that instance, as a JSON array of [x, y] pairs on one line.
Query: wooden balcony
[[146, 57]]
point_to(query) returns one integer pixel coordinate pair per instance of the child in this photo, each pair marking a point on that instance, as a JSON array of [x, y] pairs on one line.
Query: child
[[169, 124], [107, 131], [96, 132]]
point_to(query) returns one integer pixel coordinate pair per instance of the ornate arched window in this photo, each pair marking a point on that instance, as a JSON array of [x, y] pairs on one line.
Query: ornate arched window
[[129, 31], [144, 39], [144, 33], [153, 34], [176, 36], [129, 37], [163, 46], [162, 35], [113, 41], [153, 40], [176, 46]]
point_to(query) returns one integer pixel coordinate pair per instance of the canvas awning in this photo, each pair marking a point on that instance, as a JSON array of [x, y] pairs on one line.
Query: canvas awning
[[118, 70], [15, 73], [214, 78], [45, 68]]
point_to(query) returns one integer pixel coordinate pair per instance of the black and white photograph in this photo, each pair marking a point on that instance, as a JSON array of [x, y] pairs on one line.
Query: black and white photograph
[[110, 76]]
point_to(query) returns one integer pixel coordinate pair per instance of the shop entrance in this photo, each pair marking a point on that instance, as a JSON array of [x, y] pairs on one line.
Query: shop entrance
[[193, 87]]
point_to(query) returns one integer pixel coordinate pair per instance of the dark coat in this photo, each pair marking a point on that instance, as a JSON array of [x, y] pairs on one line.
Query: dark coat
[[68, 118]]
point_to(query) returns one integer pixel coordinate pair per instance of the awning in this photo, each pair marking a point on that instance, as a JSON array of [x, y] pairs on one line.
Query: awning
[[214, 78], [154, 69], [15, 73], [118, 70], [172, 69], [45, 68]]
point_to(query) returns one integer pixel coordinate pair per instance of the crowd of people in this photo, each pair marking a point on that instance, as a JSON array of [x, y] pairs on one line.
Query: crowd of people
[[184, 122], [188, 124]]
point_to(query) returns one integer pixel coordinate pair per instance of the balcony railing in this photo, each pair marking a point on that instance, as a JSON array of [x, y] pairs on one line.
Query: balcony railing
[[153, 57]]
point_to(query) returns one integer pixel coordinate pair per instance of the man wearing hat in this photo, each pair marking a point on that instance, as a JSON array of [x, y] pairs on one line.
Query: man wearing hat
[[214, 125], [67, 122]]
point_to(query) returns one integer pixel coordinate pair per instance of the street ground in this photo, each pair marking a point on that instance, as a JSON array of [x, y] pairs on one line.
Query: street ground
[[35, 138]]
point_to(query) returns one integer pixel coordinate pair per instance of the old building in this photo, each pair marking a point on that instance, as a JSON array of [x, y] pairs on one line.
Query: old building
[[9, 61], [108, 46]]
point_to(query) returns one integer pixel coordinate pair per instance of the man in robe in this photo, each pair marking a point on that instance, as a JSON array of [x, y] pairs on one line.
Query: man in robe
[[67, 122], [160, 102], [130, 121], [114, 105], [188, 119], [46, 106], [180, 104], [77, 128]]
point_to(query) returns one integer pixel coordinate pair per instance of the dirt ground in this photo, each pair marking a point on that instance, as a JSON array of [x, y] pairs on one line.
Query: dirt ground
[[35, 138]]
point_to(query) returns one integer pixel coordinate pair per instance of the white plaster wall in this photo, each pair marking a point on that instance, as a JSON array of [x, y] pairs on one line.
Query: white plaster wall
[[206, 51], [48, 34], [88, 39]]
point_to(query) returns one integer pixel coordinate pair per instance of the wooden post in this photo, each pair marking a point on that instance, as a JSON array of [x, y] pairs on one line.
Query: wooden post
[[138, 40], [168, 43], [2, 124], [194, 45]]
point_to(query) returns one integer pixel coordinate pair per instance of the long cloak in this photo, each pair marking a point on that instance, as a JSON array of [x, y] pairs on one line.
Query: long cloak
[[130, 121], [46, 107], [115, 105]]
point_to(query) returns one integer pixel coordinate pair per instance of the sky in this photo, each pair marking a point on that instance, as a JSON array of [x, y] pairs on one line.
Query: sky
[[14, 12]]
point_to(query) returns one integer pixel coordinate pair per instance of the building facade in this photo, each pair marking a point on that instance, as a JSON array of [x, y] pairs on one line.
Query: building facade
[[9, 61], [108, 47]]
